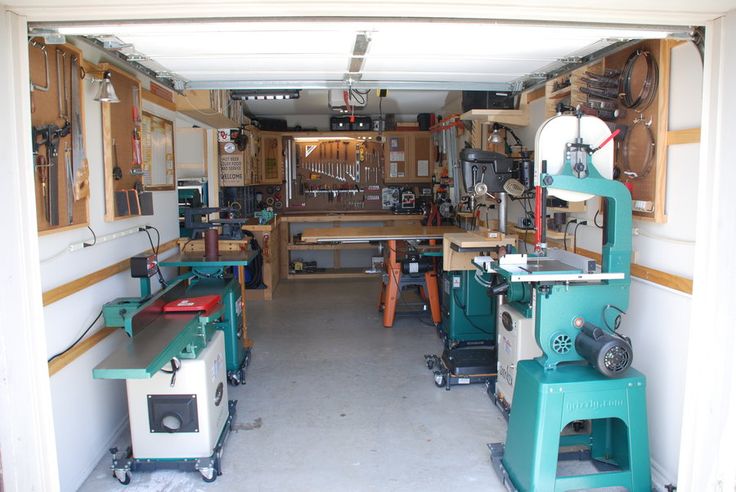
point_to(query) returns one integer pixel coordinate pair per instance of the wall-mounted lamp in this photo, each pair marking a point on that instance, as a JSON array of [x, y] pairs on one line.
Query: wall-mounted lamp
[[496, 137], [106, 91]]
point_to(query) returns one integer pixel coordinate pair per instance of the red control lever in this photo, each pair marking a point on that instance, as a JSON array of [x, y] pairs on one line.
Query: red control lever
[[608, 139]]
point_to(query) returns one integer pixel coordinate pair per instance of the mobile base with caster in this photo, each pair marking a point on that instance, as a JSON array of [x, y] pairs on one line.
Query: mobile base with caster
[[499, 403], [237, 377], [467, 365], [209, 467]]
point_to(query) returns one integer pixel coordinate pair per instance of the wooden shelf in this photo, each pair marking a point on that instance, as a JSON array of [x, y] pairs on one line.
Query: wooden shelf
[[517, 117], [330, 247], [196, 105], [334, 273], [561, 93]]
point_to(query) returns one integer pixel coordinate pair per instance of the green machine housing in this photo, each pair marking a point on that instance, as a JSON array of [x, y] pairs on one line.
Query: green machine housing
[[207, 277], [468, 313]]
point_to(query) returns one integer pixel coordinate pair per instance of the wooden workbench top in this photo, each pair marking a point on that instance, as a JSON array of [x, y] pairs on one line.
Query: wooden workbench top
[[348, 217], [477, 240], [401, 233]]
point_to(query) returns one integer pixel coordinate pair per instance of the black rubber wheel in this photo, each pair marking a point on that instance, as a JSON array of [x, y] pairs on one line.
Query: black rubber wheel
[[126, 480], [439, 379], [211, 479]]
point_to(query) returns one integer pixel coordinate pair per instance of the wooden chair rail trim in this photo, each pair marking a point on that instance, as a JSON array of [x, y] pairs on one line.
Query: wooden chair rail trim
[[75, 286], [65, 290], [75, 352], [675, 282]]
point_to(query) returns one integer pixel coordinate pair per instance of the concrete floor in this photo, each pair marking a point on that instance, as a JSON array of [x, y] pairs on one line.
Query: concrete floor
[[336, 402]]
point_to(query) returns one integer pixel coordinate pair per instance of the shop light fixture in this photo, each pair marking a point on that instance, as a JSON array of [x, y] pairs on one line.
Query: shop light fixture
[[264, 95], [106, 91]]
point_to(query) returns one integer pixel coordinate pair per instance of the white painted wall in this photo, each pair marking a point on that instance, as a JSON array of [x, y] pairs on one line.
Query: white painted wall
[[27, 447], [658, 317], [89, 413]]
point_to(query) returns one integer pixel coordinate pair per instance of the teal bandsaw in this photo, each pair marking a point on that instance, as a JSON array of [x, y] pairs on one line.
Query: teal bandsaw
[[584, 373]]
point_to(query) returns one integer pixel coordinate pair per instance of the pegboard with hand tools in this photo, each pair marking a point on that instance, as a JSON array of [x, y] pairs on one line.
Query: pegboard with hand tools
[[57, 119], [340, 173]]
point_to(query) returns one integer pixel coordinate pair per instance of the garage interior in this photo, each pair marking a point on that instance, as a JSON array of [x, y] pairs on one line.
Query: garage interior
[[349, 247]]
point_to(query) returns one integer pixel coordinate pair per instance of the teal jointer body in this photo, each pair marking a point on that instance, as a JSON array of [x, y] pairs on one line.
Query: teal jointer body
[[468, 313], [231, 322], [546, 401]]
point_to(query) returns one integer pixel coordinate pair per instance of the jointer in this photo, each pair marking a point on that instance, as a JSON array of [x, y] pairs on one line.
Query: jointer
[[186, 343]]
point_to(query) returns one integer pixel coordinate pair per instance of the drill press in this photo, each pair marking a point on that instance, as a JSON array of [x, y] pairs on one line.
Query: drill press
[[584, 371]]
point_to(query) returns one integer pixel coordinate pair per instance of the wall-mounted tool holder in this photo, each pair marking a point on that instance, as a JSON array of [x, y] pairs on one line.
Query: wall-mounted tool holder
[[630, 91], [340, 173], [123, 150], [57, 118]]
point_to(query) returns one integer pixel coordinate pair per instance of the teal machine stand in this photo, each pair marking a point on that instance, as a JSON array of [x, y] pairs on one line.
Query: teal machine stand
[[468, 330], [584, 373], [177, 365]]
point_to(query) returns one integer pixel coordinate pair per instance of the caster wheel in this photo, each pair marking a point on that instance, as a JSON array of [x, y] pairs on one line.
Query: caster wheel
[[123, 478], [430, 364], [209, 475], [233, 380], [241, 376], [439, 379]]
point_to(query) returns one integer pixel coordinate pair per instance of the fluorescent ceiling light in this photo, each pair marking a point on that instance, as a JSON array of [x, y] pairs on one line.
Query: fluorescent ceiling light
[[264, 95]]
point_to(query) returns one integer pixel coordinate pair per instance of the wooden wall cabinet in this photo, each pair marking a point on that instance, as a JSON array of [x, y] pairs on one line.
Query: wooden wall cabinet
[[272, 159], [408, 157]]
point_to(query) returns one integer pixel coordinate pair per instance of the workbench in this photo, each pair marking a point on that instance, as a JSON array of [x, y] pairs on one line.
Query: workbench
[[291, 223], [267, 236], [390, 235]]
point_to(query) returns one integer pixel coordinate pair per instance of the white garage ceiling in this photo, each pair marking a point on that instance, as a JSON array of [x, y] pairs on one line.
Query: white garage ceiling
[[406, 54]]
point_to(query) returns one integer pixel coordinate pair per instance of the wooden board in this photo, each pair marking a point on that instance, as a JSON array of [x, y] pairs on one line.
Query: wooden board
[[350, 217], [400, 233], [198, 105], [516, 117], [454, 261]]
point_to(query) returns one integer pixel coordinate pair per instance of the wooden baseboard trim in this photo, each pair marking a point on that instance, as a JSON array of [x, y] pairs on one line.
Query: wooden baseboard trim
[[669, 280], [58, 293]]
